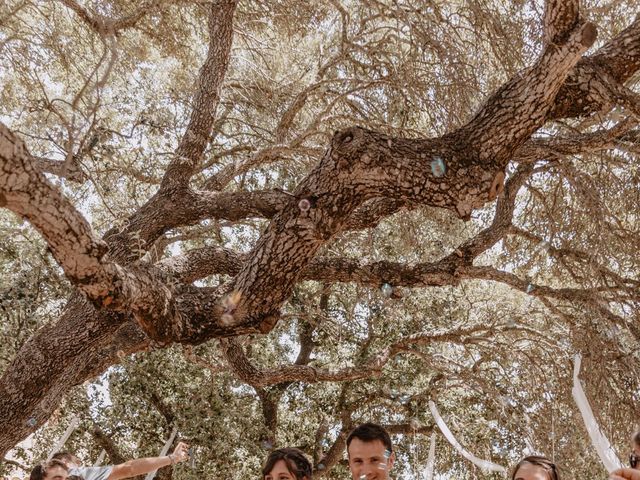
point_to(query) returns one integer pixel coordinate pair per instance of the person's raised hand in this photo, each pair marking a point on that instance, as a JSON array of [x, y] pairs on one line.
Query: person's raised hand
[[180, 453], [625, 474]]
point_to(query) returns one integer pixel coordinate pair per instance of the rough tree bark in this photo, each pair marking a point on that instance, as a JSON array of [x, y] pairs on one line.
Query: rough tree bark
[[124, 305]]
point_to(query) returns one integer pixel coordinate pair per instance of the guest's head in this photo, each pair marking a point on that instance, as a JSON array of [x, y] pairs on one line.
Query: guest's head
[[52, 470], [370, 452], [69, 459], [535, 468], [287, 464]]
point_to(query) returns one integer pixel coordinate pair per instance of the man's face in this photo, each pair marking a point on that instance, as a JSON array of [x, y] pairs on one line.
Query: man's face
[[56, 473], [369, 460]]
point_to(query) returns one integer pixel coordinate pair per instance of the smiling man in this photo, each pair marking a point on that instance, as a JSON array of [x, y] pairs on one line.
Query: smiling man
[[370, 452]]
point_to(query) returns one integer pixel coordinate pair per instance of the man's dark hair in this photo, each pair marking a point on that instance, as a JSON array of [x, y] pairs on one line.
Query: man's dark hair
[[543, 462], [66, 457], [294, 459], [370, 432], [40, 470]]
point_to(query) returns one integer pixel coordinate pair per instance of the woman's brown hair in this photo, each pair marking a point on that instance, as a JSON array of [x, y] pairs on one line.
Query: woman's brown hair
[[294, 459], [543, 462]]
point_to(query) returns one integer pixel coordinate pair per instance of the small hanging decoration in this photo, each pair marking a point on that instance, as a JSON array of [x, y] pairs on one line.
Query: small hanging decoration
[[437, 167], [304, 205], [386, 289]]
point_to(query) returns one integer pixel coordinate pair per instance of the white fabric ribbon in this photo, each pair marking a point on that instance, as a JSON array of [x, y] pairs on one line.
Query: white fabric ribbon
[[431, 460], [598, 439], [485, 465], [65, 436], [103, 453], [163, 452]]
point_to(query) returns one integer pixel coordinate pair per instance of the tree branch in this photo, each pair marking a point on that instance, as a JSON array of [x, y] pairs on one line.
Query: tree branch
[[16, 464], [108, 446], [60, 169], [101, 24], [560, 18], [188, 155], [260, 378], [359, 166], [585, 90], [27, 192]]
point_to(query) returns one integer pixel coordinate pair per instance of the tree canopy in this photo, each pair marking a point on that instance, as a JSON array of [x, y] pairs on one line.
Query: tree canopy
[[263, 222]]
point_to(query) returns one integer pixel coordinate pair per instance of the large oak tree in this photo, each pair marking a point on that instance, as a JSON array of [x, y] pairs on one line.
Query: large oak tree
[[398, 201]]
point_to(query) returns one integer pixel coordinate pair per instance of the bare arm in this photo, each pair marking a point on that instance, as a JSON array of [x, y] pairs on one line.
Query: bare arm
[[141, 466]]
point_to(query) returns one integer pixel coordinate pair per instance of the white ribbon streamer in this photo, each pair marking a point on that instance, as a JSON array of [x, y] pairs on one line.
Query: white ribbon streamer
[[431, 460], [485, 465], [163, 452], [598, 439], [65, 436], [100, 458]]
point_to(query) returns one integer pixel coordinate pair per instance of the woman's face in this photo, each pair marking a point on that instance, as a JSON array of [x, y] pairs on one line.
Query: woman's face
[[529, 471], [280, 472]]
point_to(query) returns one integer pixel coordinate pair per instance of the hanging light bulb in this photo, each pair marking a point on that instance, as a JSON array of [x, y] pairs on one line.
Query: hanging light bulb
[[386, 289]]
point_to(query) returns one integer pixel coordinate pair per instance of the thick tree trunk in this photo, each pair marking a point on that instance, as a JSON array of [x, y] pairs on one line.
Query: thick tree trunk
[[33, 385]]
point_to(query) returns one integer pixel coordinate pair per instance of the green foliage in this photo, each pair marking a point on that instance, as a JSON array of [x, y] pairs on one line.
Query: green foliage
[[502, 379]]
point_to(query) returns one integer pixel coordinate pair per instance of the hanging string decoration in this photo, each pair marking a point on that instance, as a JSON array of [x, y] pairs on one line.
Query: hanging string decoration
[[598, 439], [485, 465], [100, 459], [431, 459], [65, 436], [164, 451]]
